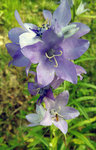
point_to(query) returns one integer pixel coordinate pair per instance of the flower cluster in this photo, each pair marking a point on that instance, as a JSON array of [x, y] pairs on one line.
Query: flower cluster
[[53, 47]]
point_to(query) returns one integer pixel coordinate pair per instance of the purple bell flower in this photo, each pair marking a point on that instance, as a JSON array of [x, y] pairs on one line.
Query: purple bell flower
[[53, 55], [35, 88], [44, 91]]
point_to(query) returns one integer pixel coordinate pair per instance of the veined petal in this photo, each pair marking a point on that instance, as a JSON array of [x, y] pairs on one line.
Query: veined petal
[[17, 16], [83, 29], [12, 48], [33, 118], [62, 125], [15, 33], [75, 49], [61, 100], [27, 38], [47, 15], [32, 52], [47, 121], [62, 14], [66, 70], [45, 74], [69, 113]]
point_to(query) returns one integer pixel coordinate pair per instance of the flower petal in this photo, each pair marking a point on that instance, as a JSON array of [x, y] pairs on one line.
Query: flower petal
[[74, 48], [69, 113], [20, 60], [83, 29], [50, 38], [45, 74], [62, 125], [33, 118], [66, 70], [49, 103], [62, 14], [17, 16], [80, 70], [28, 68], [27, 38], [49, 94], [33, 124], [14, 34], [46, 120], [32, 52], [30, 26], [12, 48], [61, 100], [47, 15], [56, 82], [40, 111], [33, 88]]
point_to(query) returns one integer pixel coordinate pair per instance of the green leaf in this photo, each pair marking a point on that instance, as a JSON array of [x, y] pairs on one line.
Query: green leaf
[[82, 110], [83, 138], [82, 123]]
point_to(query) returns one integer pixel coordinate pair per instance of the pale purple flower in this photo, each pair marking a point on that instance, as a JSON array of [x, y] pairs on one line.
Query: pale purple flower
[[53, 55], [57, 111], [55, 114]]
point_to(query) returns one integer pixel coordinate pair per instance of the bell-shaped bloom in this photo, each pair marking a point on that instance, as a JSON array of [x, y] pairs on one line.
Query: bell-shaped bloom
[[56, 113], [28, 34], [44, 91], [34, 88], [53, 55], [60, 20]]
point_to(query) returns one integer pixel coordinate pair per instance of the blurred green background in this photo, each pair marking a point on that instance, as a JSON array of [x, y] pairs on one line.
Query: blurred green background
[[16, 102]]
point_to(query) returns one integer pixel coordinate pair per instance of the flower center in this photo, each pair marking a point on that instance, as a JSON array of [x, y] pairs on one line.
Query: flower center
[[54, 114], [50, 55], [41, 29]]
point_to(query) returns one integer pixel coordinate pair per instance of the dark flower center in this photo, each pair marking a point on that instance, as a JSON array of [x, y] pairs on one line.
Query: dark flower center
[[40, 30]]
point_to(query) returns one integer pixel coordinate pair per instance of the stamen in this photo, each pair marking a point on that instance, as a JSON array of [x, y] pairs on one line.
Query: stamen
[[38, 89], [50, 57], [57, 119]]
